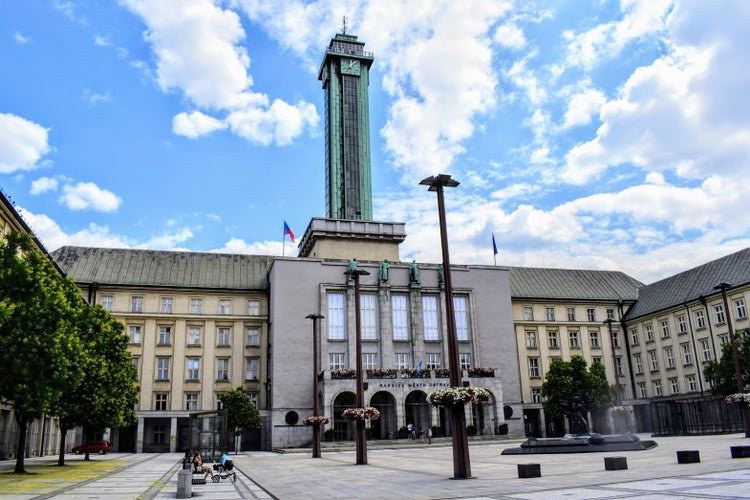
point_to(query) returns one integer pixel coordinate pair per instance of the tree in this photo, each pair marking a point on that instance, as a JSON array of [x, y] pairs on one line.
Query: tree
[[107, 393], [38, 341], [242, 415], [568, 381], [721, 374]]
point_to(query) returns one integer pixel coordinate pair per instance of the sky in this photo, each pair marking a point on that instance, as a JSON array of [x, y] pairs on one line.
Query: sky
[[585, 134]]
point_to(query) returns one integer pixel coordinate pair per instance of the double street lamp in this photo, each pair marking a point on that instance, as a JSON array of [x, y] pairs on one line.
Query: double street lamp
[[316, 397], [461, 462]]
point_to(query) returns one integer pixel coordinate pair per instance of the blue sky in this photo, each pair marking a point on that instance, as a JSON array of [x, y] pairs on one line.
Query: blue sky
[[585, 134]]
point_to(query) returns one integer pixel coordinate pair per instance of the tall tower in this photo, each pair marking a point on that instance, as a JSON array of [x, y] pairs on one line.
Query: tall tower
[[345, 73]]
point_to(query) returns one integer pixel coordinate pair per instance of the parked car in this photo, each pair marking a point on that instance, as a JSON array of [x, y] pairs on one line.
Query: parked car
[[100, 447]]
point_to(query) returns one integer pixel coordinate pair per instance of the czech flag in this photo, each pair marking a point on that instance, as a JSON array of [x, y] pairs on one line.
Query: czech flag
[[288, 231]]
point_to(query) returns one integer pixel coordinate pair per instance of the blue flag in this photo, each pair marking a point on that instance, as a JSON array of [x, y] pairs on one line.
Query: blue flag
[[419, 369], [494, 245]]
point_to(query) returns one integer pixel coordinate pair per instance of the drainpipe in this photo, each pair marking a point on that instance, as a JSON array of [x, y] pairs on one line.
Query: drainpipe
[[92, 293]]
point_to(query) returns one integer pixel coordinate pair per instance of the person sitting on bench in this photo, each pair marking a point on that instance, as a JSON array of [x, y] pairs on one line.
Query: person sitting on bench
[[199, 465]]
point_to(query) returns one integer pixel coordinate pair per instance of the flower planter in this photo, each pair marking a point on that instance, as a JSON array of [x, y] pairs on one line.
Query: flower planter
[[458, 395], [366, 413]]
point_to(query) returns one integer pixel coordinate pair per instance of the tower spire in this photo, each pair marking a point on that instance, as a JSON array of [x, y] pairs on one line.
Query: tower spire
[[343, 25]]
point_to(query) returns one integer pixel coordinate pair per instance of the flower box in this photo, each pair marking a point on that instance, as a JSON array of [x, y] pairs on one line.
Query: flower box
[[741, 399], [316, 421], [458, 395], [366, 413], [442, 373], [381, 373], [481, 372], [344, 373], [414, 373]]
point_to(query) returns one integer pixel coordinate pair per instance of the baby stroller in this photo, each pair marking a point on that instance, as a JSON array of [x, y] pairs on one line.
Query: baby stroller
[[224, 471]]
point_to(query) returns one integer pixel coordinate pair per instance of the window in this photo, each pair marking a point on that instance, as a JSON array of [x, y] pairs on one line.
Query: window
[[669, 357], [402, 360], [552, 339], [223, 336], [368, 314], [430, 317], [674, 386], [222, 368], [165, 335], [136, 304], [534, 367], [193, 369], [253, 307], [573, 340], [664, 328], [618, 366], [162, 368], [642, 389], [706, 350], [196, 306], [724, 338], [719, 312], [615, 338], [739, 309], [400, 314], [136, 362], [691, 383], [681, 325], [653, 360], [369, 361], [107, 301], [434, 360], [596, 360], [336, 360], [610, 314], [638, 363], [649, 333], [135, 334], [686, 357], [461, 311], [160, 401], [166, 305], [191, 401], [528, 313], [591, 314], [536, 395], [464, 359], [336, 316], [550, 313], [194, 335], [531, 339], [251, 369], [253, 396], [252, 337], [657, 388], [700, 319], [634, 336], [594, 339], [225, 306], [571, 314]]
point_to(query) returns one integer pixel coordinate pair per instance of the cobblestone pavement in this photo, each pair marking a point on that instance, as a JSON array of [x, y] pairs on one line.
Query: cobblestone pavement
[[415, 472]]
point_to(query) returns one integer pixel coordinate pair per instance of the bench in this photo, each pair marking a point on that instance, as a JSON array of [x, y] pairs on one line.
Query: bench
[[740, 451], [615, 463], [688, 457], [529, 470], [201, 479]]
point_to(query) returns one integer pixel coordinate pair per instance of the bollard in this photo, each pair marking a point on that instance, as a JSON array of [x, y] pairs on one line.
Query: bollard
[[529, 470], [615, 463], [184, 483], [740, 451], [688, 457]]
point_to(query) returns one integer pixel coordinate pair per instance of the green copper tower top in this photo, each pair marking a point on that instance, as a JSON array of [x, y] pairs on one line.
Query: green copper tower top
[[345, 73]]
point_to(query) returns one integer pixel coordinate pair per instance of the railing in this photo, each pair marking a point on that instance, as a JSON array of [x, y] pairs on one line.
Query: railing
[[410, 373]]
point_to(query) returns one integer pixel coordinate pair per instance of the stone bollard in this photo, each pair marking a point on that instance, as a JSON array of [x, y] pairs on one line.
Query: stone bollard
[[184, 483]]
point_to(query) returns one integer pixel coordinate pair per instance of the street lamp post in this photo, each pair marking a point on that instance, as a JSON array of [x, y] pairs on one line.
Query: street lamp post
[[618, 394], [461, 462], [316, 398], [360, 434], [723, 286]]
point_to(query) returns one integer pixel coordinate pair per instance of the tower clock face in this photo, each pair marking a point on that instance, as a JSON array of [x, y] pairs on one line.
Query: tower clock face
[[350, 66]]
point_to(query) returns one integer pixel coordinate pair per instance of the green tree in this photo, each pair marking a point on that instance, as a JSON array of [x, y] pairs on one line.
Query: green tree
[[39, 345], [567, 380], [722, 374], [107, 393], [242, 415]]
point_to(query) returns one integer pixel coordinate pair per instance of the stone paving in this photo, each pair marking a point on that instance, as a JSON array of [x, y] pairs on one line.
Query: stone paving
[[415, 472]]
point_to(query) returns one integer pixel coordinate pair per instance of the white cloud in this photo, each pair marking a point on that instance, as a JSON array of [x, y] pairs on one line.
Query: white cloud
[[199, 52], [19, 37], [87, 195], [511, 36], [43, 184], [195, 124], [167, 241], [240, 246], [22, 143], [582, 106]]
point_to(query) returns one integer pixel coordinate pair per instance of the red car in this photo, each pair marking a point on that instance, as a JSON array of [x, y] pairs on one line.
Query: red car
[[100, 447]]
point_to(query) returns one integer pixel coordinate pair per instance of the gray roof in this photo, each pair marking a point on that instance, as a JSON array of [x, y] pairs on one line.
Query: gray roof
[[115, 266], [571, 284], [690, 285]]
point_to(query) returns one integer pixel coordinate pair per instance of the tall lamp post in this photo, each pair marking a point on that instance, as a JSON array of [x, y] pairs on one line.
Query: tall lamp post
[[723, 286], [461, 462], [618, 394], [360, 435], [316, 399]]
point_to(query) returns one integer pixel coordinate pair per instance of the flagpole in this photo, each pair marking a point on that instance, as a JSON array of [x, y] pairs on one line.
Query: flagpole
[[283, 244]]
